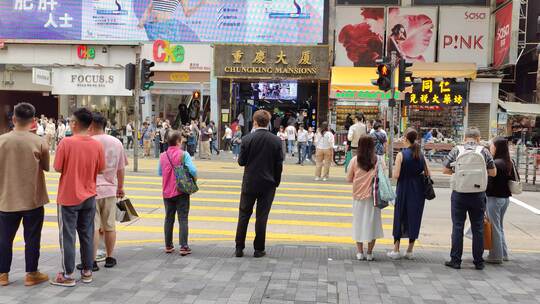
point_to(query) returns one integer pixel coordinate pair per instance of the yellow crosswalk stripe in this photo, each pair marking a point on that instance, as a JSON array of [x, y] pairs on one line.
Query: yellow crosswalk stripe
[[223, 219], [298, 238]]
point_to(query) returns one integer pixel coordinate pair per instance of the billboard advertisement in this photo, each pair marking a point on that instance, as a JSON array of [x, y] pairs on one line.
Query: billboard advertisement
[[412, 33], [503, 36], [360, 35], [241, 21], [464, 34]]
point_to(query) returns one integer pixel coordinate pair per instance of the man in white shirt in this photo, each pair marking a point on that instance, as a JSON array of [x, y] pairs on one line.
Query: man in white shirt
[[227, 138], [291, 137], [129, 135], [302, 138], [61, 131], [356, 131]]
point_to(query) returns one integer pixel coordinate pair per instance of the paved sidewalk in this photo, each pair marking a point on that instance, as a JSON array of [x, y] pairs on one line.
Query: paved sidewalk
[[289, 274]]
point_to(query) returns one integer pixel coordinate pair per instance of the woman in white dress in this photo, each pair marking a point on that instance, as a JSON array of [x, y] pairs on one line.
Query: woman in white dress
[[367, 223]]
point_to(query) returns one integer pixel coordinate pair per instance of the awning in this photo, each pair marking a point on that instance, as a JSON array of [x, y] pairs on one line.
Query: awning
[[353, 78], [444, 70], [518, 108]]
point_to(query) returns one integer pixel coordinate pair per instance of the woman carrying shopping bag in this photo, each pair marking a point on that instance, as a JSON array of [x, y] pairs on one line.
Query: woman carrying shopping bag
[[367, 223]]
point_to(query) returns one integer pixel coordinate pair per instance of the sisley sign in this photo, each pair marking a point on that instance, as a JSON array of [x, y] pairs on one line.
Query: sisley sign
[[89, 81], [464, 34]]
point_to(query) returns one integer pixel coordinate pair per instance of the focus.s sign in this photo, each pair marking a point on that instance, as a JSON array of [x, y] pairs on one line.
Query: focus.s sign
[[463, 35], [503, 36], [88, 81]]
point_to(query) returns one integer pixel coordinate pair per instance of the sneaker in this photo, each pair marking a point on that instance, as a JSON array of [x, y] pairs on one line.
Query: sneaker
[[317, 179], [369, 257], [506, 259], [35, 278], [4, 279], [101, 256], [360, 256], [169, 249], [259, 253], [61, 280], [86, 277], [325, 179], [394, 255], [239, 253], [185, 250], [110, 262], [409, 256], [479, 266], [95, 266], [453, 264]]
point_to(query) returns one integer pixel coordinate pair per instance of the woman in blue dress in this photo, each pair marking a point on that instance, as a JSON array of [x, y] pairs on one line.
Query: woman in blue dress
[[410, 200]]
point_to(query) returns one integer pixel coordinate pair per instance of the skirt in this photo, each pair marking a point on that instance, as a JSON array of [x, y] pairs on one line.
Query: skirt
[[367, 223]]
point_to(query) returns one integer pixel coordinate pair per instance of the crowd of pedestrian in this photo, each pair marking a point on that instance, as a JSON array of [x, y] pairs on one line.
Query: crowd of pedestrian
[[91, 165]]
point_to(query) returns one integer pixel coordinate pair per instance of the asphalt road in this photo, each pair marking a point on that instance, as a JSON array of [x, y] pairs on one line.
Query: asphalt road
[[304, 212]]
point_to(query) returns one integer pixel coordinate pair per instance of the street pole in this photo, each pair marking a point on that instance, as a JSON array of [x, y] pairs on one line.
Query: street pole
[[136, 96], [392, 105]]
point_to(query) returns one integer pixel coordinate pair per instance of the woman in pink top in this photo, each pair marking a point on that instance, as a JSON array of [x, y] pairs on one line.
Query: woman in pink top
[[175, 201], [367, 224]]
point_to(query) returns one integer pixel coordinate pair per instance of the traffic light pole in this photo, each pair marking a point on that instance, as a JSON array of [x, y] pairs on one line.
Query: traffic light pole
[[136, 96], [392, 105]]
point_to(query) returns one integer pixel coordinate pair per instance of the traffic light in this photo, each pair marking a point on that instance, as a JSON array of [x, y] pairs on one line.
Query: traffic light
[[403, 82], [146, 74], [196, 95], [130, 76], [384, 70]]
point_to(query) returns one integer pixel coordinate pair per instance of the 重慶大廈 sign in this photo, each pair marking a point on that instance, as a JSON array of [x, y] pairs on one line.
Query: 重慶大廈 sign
[[89, 81], [430, 92], [271, 61]]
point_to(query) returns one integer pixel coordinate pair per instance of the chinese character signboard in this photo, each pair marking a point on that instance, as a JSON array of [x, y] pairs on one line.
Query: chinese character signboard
[[271, 61], [242, 21], [429, 92]]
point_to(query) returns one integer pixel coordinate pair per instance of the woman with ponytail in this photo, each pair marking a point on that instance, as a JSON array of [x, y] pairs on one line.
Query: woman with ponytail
[[410, 167]]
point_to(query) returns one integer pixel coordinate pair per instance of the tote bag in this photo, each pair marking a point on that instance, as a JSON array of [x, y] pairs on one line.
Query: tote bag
[[386, 192]]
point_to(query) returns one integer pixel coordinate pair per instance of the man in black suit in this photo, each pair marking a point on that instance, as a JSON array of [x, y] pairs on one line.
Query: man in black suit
[[262, 156]]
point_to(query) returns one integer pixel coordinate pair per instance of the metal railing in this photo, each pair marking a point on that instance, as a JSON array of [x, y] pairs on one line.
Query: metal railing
[[527, 160]]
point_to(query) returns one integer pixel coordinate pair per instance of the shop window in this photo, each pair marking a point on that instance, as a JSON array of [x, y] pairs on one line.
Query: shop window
[[451, 2], [368, 2]]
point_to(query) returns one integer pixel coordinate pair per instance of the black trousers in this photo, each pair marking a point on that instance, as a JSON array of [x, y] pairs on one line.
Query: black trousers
[[247, 202], [9, 224], [176, 205], [473, 204]]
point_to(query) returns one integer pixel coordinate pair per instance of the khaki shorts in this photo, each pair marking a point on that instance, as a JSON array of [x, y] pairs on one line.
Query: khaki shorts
[[105, 214]]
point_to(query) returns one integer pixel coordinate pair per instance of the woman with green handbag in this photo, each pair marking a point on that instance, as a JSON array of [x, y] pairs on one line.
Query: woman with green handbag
[[176, 201]]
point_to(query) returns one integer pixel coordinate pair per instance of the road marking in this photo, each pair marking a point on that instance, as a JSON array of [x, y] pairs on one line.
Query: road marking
[[204, 185], [524, 205], [223, 219], [297, 238]]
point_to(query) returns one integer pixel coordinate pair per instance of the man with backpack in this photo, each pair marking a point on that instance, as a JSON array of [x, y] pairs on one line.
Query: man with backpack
[[470, 165]]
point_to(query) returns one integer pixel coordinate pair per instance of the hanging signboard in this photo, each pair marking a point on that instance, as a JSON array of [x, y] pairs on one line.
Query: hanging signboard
[[430, 92]]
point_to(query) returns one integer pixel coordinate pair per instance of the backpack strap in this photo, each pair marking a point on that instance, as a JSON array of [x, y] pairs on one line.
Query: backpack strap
[[461, 149], [479, 149]]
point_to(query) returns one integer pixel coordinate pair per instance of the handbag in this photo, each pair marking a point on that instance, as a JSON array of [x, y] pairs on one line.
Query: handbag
[[386, 192], [429, 192], [515, 185], [348, 158], [488, 244], [378, 202], [185, 183], [125, 212]]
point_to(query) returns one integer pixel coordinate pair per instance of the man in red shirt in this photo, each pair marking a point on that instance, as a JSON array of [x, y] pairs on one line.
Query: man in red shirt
[[79, 159]]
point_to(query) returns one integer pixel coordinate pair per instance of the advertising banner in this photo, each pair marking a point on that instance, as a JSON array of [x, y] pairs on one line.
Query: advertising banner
[[88, 81], [360, 35], [431, 92], [463, 35], [503, 36], [412, 33], [169, 56], [271, 61], [242, 21]]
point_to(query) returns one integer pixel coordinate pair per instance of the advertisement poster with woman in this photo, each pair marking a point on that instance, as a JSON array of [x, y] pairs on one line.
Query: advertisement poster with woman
[[412, 33], [360, 35], [241, 21]]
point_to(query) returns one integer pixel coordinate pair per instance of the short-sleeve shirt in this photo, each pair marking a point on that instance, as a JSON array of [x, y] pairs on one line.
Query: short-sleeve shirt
[[79, 159], [380, 140], [115, 160], [453, 155], [23, 157], [291, 133]]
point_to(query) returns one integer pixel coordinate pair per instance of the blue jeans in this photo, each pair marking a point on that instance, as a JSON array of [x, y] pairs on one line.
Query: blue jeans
[[496, 208], [236, 149], [172, 29], [309, 150], [302, 152], [290, 146], [473, 204]]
